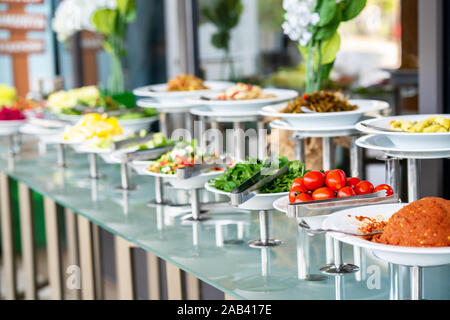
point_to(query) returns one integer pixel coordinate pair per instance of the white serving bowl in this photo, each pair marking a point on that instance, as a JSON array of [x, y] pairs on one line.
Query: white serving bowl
[[8, 127], [159, 93], [409, 256], [231, 106], [315, 120], [409, 140], [261, 201]]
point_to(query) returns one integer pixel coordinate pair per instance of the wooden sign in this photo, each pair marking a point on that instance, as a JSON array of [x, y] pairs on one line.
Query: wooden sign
[[24, 21], [28, 46], [91, 43], [18, 46], [23, 2]]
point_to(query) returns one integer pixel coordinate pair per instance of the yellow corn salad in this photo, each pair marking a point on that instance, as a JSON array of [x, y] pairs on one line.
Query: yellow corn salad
[[93, 125], [429, 125]]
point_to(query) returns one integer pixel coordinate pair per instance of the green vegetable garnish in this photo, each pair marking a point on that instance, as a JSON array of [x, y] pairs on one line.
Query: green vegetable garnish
[[240, 172]]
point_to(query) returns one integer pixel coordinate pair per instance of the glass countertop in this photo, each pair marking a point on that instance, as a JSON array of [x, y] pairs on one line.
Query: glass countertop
[[216, 250]]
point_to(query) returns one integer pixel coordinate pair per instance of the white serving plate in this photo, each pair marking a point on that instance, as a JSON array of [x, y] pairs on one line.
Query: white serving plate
[[131, 125], [8, 127], [196, 182], [171, 106], [261, 201], [409, 140], [231, 106], [159, 93], [35, 130], [59, 139], [323, 120], [140, 166], [408, 256], [383, 143]]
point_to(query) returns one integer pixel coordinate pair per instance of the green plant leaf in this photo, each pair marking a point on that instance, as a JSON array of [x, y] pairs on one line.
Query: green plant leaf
[[105, 21], [127, 9], [125, 98], [225, 15], [352, 8], [330, 29], [108, 47], [326, 69], [221, 39], [330, 48], [327, 12]]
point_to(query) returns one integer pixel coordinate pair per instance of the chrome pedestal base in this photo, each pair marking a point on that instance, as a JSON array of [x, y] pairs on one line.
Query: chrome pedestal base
[[266, 243], [333, 269]]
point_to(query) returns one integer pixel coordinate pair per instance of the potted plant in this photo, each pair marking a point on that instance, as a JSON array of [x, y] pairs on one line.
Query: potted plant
[[314, 25]]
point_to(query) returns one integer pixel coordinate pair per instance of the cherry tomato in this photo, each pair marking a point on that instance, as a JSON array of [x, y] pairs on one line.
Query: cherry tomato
[[326, 173], [292, 196], [323, 193], [313, 180], [297, 185], [364, 187], [303, 197], [352, 182], [387, 188], [336, 179], [346, 192]]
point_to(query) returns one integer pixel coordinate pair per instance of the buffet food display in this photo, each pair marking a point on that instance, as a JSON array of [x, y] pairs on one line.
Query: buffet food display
[[241, 172], [422, 223], [93, 126], [254, 184], [322, 101], [317, 185], [432, 124], [9, 114], [182, 155], [243, 91], [71, 104], [186, 82]]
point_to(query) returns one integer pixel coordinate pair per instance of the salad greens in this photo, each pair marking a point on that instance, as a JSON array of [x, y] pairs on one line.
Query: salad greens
[[240, 172]]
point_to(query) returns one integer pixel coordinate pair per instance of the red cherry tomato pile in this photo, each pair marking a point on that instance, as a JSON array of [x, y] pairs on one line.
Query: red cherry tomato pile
[[316, 185]]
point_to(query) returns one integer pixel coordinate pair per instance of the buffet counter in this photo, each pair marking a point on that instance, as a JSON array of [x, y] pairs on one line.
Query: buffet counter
[[214, 251]]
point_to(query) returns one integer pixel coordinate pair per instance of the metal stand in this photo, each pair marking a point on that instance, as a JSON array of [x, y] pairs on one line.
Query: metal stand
[[299, 148], [303, 257], [262, 140], [238, 122], [413, 179], [124, 180], [93, 169], [196, 215], [239, 142], [61, 155], [338, 268], [393, 282], [264, 240], [159, 194], [416, 283], [328, 156], [392, 169], [163, 123], [356, 170], [11, 152]]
